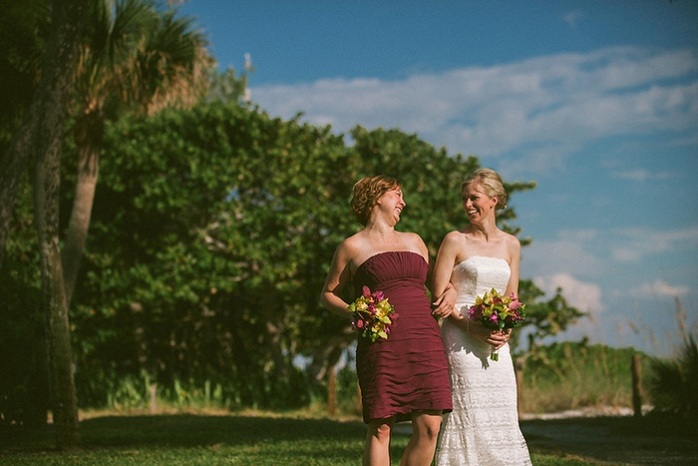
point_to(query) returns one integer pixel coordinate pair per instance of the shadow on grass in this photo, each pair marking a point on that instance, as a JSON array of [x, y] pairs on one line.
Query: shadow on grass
[[656, 439], [201, 430], [288, 440], [196, 439], [188, 430]]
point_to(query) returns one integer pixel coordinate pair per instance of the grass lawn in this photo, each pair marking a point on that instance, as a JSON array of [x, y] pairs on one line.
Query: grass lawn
[[208, 439]]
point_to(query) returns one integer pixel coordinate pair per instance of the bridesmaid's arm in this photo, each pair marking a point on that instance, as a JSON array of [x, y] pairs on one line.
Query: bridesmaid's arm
[[337, 278]]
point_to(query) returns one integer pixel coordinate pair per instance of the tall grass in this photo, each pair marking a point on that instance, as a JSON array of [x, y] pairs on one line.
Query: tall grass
[[141, 394], [674, 383], [568, 376]]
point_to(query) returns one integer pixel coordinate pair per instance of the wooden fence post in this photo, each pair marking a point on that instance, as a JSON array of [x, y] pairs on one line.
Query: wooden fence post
[[331, 391], [153, 393], [635, 369]]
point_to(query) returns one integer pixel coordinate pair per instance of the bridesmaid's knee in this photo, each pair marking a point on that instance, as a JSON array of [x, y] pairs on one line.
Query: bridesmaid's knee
[[381, 430], [427, 427]]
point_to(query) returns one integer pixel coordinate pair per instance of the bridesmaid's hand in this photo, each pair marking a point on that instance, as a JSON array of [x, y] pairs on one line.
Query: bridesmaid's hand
[[443, 306]]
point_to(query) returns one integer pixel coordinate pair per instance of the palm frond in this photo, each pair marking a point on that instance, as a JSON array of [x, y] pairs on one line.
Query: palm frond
[[136, 56]]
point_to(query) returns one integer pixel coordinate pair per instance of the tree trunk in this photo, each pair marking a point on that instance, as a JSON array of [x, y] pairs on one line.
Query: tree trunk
[[55, 86], [64, 398], [89, 134], [42, 137], [274, 326]]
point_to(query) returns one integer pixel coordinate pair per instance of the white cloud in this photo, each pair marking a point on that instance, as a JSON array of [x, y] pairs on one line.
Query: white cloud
[[631, 245], [586, 251], [660, 288], [570, 251], [641, 174], [584, 296], [591, 254], [572, 17], [543, 108]]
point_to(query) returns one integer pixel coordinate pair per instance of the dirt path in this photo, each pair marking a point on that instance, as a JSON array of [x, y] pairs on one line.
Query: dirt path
[[617, 440]]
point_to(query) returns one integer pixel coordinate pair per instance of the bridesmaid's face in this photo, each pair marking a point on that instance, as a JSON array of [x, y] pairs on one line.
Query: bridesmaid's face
[[392, 202]]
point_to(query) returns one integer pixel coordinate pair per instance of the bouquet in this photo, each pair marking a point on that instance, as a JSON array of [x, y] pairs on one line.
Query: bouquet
[[372, 315], [498, 312]]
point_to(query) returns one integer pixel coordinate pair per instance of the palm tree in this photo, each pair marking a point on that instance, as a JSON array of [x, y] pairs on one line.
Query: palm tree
[[135, 58]]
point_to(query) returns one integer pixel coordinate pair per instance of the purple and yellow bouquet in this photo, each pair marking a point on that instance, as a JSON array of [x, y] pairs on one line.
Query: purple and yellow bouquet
[[498, 312], [372, 315]]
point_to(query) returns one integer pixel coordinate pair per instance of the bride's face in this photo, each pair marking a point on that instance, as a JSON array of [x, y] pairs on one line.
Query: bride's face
[[477, 203]]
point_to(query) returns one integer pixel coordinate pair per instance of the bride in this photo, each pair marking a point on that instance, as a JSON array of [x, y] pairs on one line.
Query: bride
[[483, 428]]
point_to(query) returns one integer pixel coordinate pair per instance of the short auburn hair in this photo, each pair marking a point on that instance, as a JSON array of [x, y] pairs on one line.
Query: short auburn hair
[[366, 193]]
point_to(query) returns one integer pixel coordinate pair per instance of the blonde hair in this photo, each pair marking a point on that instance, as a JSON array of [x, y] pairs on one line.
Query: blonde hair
[[366, 193], [491, 181]]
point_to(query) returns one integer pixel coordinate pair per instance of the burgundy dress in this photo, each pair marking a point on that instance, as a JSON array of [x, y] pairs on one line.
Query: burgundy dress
[[408, 371]]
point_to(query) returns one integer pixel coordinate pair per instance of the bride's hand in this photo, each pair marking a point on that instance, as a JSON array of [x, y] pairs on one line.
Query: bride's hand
[[498, 338], [443, 306]]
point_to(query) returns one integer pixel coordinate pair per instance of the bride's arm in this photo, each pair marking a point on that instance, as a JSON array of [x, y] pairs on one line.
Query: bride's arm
[[441, 285], [499, 338], [514, 247]]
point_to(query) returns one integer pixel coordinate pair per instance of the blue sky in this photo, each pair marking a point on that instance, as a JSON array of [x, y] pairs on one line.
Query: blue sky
[[596, 101]]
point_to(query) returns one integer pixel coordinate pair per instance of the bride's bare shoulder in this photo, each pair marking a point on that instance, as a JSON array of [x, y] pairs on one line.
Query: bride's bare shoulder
[[513, 246], [455, 236], [512, 241]]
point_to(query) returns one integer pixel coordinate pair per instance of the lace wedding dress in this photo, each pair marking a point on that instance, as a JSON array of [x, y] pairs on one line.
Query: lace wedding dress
[[483, 428]]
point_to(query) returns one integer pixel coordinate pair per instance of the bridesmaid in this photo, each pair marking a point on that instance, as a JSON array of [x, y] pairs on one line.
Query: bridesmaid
[[403, 377]]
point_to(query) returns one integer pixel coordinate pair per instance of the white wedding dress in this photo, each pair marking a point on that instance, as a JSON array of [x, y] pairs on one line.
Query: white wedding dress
[[483, 428]]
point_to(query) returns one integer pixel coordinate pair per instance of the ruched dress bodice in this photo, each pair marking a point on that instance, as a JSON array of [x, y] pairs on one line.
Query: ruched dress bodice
[[483, 428], [408, 371]]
